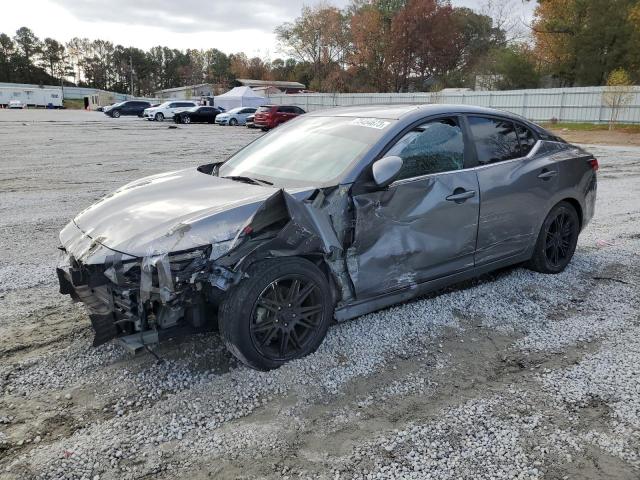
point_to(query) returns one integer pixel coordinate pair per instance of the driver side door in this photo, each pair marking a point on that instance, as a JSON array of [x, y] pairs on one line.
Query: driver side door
[[424, 225]]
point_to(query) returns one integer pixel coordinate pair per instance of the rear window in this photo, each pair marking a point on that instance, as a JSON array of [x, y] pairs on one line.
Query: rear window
[[264, 109], [495, 139]]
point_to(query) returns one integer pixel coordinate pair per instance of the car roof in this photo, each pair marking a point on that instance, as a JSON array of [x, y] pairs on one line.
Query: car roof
[[397, 112]]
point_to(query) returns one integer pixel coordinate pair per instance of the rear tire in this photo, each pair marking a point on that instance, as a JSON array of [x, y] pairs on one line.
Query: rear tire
[[557, 240], [279, 313]]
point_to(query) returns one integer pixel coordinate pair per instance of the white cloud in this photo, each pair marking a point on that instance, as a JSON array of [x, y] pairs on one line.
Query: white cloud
[[229, 25]]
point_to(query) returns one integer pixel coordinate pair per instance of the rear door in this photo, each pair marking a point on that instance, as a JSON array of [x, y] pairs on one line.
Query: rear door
[[283, 114], [515, 186], [127, 108], [424, 225]]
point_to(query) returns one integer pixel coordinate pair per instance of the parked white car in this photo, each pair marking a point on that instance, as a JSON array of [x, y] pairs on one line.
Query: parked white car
[[235, 116], [167, 110], [16, 104]]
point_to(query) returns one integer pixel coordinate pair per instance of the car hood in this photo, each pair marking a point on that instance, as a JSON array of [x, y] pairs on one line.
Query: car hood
[[172, 212]]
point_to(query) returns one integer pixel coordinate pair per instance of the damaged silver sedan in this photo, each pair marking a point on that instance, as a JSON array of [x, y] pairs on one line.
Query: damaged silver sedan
[[330, 216]]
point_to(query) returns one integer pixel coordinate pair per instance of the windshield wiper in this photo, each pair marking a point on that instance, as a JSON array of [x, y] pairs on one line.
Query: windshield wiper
[[255, 181]]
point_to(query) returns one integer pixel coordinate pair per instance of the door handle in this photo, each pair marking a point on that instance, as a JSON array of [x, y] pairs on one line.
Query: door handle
[[547, 174], [460, 195]]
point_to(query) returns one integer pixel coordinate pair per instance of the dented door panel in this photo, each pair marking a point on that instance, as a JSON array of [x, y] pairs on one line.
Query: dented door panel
[[411, 233]]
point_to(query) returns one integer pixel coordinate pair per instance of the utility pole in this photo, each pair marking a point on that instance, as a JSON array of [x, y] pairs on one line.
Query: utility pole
[[131, 70]]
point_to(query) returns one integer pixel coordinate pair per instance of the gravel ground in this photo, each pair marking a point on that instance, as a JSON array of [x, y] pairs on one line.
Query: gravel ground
[[513, 375]]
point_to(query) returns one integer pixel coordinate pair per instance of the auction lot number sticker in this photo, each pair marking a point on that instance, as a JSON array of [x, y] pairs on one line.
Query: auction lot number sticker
[[370, 123]]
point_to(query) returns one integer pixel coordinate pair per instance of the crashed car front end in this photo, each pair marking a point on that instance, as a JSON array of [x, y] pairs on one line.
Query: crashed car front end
[[126, 295], [143, 300]]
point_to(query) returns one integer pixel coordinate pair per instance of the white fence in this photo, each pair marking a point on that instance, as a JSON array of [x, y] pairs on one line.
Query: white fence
[[580, 104]]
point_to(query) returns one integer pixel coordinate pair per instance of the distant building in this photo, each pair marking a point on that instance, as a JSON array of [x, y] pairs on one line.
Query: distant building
[[284, 87], [189, 92], [266, 91]]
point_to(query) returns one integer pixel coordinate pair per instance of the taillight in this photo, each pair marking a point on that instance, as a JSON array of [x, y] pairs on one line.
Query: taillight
[[594, 164]]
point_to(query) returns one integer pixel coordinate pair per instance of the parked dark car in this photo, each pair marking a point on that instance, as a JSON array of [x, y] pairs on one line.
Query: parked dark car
[[270, 116], [250, 121], [130, 107], [332, 216], [197, 115]]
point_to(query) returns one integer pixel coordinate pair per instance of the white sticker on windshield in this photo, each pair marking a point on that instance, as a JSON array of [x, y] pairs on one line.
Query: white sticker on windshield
[[370, 122]]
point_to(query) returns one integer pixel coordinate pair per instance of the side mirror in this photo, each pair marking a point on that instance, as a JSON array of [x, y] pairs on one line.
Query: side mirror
[[385, 170]]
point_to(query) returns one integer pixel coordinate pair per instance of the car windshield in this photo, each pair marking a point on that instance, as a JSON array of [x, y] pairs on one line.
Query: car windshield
[[235, 110], [308, 151]]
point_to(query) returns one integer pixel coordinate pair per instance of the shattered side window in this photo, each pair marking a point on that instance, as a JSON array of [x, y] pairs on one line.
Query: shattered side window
[[434, 147]]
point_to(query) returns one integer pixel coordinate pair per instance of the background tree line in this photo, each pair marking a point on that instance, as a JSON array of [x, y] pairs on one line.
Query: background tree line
[[371, 45]]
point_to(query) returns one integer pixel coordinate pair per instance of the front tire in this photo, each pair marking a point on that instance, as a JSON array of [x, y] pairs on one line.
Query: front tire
[[116, 114], [159, 117], [187, 119], [557, 240], [233, 122], [279, 313]]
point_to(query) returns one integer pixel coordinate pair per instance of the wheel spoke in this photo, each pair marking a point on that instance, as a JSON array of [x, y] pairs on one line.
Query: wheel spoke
[[262, 326], [306, 323], [277, 293], [284, 343], [306, 312], [269, 304], [304, 293], [268, 337], [295, 340], [294, 290]]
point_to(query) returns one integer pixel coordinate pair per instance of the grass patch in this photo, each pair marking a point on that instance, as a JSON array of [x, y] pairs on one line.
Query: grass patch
[[591, 127]]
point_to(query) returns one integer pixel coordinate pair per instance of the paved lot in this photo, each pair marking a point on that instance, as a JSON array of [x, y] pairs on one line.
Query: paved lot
[[514, 375]]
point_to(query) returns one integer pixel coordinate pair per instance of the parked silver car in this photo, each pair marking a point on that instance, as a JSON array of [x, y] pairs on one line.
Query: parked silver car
[[235, 116], [330, 216]]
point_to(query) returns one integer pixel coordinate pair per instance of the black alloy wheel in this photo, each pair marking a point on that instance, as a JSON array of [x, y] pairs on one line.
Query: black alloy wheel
[[557, 240], [285, 317], [280, 311]]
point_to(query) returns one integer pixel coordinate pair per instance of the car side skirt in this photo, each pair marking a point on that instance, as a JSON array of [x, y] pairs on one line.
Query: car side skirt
[[362, 307]]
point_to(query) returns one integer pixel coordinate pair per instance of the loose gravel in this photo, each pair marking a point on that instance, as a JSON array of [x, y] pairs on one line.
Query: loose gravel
[[501, 377]]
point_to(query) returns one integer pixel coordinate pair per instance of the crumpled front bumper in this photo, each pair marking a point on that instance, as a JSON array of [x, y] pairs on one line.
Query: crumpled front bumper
[[111, 308]]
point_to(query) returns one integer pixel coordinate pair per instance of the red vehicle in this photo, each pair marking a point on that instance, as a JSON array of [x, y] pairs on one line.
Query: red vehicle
[[270, 116]]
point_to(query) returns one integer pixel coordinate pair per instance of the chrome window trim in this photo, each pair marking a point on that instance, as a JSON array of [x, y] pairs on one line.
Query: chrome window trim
[[530, 155]]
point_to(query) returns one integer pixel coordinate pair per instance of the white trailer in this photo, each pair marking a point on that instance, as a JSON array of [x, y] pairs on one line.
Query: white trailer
[[32, 97]]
